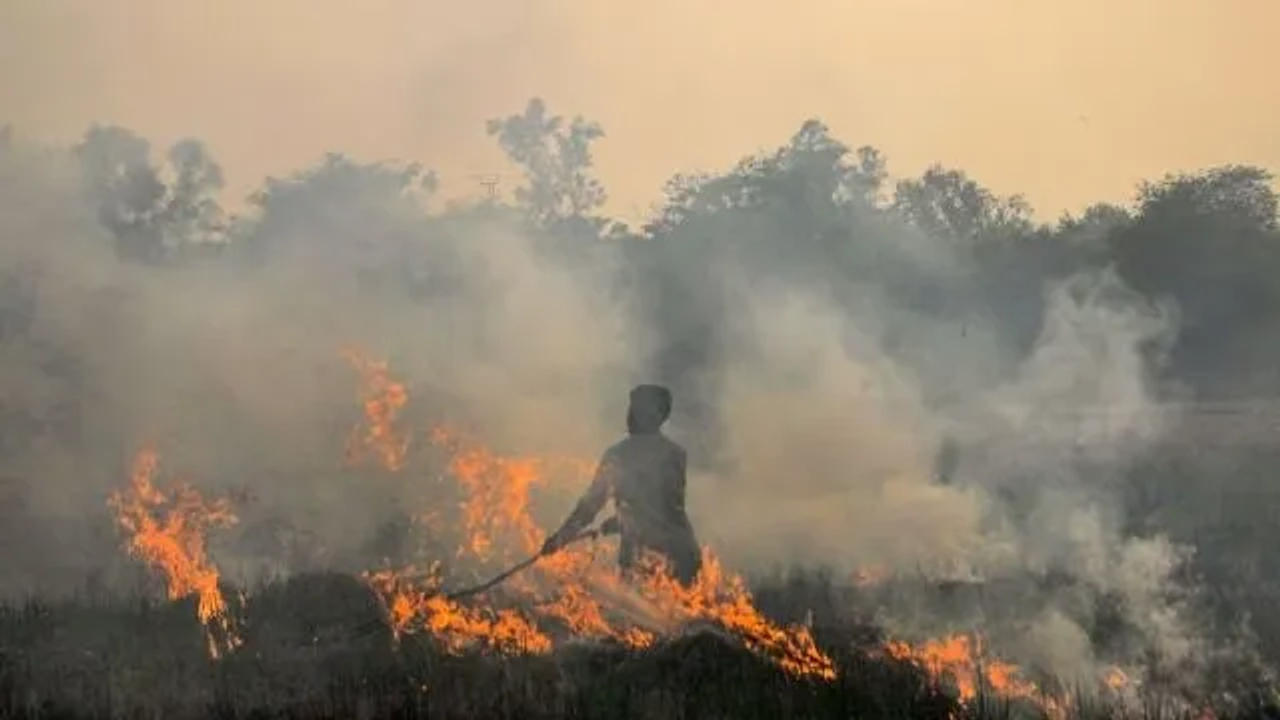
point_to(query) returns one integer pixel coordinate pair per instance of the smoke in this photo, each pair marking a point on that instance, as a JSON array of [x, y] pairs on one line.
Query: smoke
[[848, 420], [1052, 448], [830, 449], [231, 369], [832, 439]]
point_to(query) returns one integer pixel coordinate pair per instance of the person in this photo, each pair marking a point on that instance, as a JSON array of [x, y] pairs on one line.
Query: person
[[644, 475]]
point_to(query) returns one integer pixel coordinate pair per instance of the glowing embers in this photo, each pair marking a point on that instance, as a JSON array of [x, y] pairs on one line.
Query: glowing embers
[[1116, 679], [167, 531]]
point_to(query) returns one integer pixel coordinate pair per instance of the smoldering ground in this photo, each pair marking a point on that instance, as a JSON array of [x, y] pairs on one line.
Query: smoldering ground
[[823, 351]]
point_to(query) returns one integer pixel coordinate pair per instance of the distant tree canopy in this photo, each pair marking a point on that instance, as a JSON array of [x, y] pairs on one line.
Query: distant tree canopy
[[813, 211], [1208, 240], [149, 217], [948, 205], [556, 159], [372, 206]]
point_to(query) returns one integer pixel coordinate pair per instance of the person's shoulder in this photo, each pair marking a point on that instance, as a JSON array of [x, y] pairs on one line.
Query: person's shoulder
[[673, 446]]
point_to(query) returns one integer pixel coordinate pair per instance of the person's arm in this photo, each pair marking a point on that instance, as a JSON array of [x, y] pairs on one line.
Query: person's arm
[[589, 505]]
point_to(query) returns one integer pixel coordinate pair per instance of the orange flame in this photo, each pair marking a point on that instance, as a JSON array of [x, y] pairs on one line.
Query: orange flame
[[576, 588], [382, 399], [1115, 678], [960, 660], [722, 597], [460, 628], [497, 495], [167, 532], [495, 517]]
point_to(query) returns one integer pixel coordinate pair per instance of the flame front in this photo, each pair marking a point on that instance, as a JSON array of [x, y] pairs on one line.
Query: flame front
[[496, 492], [722, 597], [167, 531], [577, 588], [504, 631], [382, 399], [960, 660]]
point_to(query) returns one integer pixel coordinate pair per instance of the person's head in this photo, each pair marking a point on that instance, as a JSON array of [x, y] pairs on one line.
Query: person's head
[[650, 406]]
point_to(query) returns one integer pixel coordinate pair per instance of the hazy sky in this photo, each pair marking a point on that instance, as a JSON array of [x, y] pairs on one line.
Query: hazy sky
[[1067, 101]]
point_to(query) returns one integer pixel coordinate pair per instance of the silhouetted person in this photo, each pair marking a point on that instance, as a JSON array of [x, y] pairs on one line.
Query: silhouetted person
[[644, 475]]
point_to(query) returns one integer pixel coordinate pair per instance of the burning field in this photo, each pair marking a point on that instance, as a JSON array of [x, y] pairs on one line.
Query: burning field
[[300, 457], [567, 637]]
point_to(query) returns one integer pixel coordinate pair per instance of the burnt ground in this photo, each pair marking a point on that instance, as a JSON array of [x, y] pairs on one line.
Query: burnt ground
[[315, 646]]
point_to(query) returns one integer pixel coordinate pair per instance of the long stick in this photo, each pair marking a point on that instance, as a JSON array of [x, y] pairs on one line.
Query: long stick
[[477, 589], [604, 529]]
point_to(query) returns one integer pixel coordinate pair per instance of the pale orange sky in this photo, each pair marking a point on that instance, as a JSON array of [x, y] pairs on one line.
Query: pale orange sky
[[1067, 101]]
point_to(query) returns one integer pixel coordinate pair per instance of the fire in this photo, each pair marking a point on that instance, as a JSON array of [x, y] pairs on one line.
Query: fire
[[959, 659], [495, 517], [383, 399], [573, 603], [578, 588], [496, 495], [1116, 679], [460, 628], [167, 531], [722, 597]]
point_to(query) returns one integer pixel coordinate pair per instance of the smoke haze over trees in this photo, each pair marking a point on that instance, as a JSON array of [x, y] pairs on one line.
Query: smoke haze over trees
[[911, 374]]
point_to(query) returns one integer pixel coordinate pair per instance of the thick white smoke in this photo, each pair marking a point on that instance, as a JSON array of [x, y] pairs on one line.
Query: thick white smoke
[[833, 448], [827, 401]]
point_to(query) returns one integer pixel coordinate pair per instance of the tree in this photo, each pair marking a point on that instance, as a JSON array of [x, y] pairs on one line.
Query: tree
[[950, 206], [556, 159], [1091, 232], [811, 177], [1235, 197], [120, 179], [806, 214], [191, 213], [1209, 240], [149, 219], [361, 217]]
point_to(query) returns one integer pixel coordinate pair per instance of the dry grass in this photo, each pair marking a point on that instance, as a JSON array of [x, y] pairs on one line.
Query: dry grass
[[315, 647]]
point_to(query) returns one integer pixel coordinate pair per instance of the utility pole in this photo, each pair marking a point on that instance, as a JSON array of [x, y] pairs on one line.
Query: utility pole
[[489, 182]]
